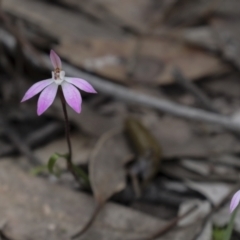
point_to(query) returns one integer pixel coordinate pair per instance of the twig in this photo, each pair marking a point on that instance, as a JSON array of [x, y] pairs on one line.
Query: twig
[[34, 138], [162, 18], [8, 67], [19, 143], [169, 225], [131, 96], [41, 134], [197, 92], [90, 221], [20, 40], [3, 236]]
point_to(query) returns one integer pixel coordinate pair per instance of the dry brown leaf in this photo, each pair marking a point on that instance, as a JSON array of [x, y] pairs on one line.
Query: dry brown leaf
[[201, 167], [203, 37], [106, 53], [106, 170], [171, 53], [202, 210], [180, 138], [156, 59], [138, 15], [175, 170], [227, 33], [207, 169], [189, 12], [230, 8], [214, 192], [227, 86]]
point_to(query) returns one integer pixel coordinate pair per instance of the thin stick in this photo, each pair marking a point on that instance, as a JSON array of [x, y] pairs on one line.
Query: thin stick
[[131, 96], [90, 221], [192, 88], [197, 93], [26, 46], [34, 138], [19, 143], [169, 225], [166, 106]]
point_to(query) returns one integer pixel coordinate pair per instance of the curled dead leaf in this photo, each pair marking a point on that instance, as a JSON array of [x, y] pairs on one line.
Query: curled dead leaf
[[106, 171]]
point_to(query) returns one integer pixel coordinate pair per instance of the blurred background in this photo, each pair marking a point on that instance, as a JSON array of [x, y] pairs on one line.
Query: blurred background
[[160, 139]]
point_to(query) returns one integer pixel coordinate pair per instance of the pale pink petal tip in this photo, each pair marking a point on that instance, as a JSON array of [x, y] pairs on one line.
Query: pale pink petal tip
[[81, 84], [72, 96], [46, 98], [235, 201], [55, 59], [36, 88]]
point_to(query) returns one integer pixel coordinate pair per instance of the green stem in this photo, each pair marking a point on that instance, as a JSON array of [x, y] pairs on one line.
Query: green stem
[[228, 233]]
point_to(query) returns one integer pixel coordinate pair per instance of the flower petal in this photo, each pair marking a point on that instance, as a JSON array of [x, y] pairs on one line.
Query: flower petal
[[82, 84], [72, 96], [55, 59], [235, 201], [36, 88], [46, 98]]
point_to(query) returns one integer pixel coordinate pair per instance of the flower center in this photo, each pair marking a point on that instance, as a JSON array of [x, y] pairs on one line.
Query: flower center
[[57, 73], [58, 76]]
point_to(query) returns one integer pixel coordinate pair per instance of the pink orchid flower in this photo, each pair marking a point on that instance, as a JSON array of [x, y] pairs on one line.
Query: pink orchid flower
[[235, 201], [49, 88]]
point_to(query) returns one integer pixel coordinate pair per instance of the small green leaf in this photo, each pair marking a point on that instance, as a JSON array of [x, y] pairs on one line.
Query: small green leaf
[[82, 174], [39, 170], [66, 155], [218, 233], [52, 163]]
